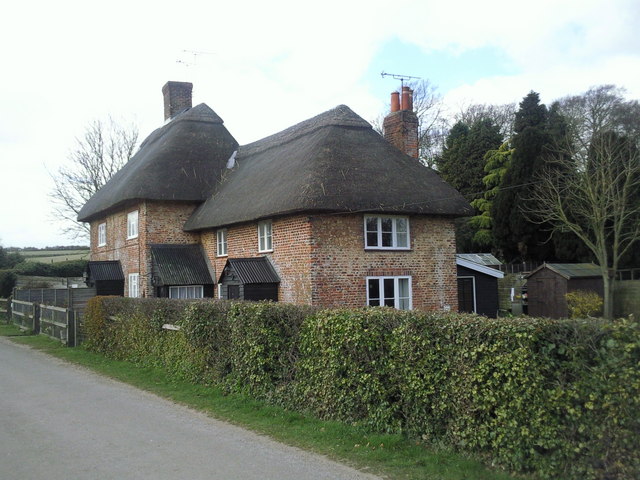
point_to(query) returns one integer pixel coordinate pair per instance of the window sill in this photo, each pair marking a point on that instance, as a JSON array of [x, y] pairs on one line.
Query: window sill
[[387, 249], [265, 251]]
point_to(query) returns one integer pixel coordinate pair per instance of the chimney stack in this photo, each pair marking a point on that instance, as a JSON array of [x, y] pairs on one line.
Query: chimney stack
[[401, 125], [177, 98]]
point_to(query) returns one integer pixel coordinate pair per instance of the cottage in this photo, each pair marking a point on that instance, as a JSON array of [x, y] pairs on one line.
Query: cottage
[[548, 284], [336, 214]]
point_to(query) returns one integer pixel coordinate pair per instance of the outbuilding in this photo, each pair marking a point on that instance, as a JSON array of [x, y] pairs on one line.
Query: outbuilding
[[249, 279], [548, 285], [106, 277], [478, 276]]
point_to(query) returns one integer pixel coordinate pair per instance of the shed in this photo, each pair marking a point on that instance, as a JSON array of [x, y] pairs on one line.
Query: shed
[[548, 284], [249, 279], [180, 271], [106, 277], [478, 283]]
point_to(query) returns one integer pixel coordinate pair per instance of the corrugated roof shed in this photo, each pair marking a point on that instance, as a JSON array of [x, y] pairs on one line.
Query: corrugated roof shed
[[180, 265], [571, 270], [481, 258], [105, 270], [252, 270]]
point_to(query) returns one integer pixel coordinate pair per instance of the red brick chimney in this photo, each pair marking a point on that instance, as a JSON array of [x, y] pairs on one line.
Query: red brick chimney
[[177, 97], [401, 125]]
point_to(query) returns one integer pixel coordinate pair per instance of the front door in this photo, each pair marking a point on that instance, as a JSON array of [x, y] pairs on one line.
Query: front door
[[466, 295], [233, 291]]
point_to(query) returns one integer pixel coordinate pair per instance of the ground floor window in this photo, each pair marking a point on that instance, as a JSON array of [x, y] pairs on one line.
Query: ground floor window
[[389, 292], [186, 291], [134, 285]]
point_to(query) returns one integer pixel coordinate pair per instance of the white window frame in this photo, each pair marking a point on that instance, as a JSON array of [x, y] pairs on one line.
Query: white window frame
[[186, 291], [134, 285], [132, 224], [221, 242], [396, 298], [102, 234], [265, 236], [394, 233]]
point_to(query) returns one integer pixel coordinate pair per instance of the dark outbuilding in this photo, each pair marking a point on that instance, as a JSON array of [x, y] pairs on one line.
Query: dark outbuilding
[[548, 284], [249, 279], [478, 284], [106, 277]]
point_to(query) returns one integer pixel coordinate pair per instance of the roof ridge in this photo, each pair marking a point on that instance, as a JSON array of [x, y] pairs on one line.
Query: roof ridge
[[340, 116]]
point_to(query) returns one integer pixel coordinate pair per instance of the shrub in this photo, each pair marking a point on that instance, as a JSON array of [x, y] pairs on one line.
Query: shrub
[[8, 280], [555, 397], [582, 304]]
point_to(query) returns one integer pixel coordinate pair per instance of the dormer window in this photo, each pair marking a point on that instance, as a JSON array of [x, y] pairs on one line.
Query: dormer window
[[102, 234], [132, 225], [386, 232]]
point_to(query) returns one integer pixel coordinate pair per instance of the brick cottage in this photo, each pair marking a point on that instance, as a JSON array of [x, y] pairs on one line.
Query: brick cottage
[[326, 213]]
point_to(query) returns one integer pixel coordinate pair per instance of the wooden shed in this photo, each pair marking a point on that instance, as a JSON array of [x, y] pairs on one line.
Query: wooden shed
[[548, 284], [248, 279], [478, 283]]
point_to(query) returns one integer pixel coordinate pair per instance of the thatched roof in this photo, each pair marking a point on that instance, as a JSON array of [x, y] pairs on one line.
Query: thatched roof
[[180, 161], [334, 162]]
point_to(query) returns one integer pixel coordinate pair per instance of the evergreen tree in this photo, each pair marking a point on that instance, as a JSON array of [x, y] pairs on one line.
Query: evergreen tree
[[516, 236], [496, 164]]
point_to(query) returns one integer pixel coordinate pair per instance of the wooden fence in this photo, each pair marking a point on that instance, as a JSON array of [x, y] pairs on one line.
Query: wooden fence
[[56, 313], [4, 310]]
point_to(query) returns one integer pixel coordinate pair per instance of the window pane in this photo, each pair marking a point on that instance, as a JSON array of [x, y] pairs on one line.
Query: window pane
[[387, 224], [389, 292], [387, 239], [372, 224], [403, 304], [373, 289], [401, 225], [372, 239], [403, 287], [401, 240]]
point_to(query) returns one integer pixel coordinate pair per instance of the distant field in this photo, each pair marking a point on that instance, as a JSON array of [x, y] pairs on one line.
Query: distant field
[[55, 256]]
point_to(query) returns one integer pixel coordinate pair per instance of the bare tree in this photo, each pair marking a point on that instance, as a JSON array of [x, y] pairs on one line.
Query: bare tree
[[97, 156], [501, 115], [595, 194]]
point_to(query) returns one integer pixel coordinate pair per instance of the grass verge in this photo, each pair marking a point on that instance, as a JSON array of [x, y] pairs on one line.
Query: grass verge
[[392, 456]]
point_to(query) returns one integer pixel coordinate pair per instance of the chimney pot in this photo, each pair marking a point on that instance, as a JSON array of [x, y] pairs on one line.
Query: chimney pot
[[406, 98], [177, 98], [395, 101]]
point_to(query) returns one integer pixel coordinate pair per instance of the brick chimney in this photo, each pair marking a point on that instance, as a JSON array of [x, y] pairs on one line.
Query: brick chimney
[[177, 97], [401, 125]]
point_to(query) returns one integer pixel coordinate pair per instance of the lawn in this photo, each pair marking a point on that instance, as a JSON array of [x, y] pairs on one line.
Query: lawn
[[54, 256], [392, 456]]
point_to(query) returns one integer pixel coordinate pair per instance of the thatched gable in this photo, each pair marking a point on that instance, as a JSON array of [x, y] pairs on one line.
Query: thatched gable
[[181, 161]]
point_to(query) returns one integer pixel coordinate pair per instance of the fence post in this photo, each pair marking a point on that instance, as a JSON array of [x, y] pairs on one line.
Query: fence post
[[36, 318], [71, 328]]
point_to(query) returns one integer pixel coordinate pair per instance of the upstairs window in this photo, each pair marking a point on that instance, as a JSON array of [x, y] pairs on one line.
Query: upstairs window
[[386, 232], [132, 225], [221, 237], [265, 243], [102, 234], [389, 292]]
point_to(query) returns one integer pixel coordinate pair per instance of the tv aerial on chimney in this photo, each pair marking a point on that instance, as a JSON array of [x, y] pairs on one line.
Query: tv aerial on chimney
[[396, 76], [195, 54]]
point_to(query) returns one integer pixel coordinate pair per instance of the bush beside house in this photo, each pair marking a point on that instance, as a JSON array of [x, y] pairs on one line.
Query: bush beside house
[[555, 397]]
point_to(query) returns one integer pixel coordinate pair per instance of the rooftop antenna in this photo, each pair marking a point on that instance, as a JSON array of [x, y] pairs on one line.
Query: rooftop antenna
[[195, 54], [396, 76]]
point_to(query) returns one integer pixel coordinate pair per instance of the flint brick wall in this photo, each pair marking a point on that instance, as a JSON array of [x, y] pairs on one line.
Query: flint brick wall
[[341, 264], [291, 256], [158, 222], [321, 259]]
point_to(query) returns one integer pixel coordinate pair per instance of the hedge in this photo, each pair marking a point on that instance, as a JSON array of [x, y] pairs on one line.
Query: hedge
[[558, 398]]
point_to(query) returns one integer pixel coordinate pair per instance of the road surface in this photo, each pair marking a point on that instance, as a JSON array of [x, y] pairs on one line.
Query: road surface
[[59, 421]]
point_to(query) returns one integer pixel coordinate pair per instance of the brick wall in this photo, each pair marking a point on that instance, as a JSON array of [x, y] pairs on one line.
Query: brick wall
[[401, 131], [290, 256], [341, 264], [158, 222]]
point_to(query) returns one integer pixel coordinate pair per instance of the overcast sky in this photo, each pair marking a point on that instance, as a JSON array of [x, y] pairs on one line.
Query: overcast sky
[[266, 65]]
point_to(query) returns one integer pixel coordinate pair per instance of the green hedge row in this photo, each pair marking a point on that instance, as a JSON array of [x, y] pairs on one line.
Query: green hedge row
[[558, 398]]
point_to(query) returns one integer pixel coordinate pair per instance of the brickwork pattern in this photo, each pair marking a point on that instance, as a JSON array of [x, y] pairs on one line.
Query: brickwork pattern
[[158, 222], [401, 131]]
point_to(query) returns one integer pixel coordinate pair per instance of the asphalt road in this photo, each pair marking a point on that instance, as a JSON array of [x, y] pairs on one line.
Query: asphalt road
[[62, 422]]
